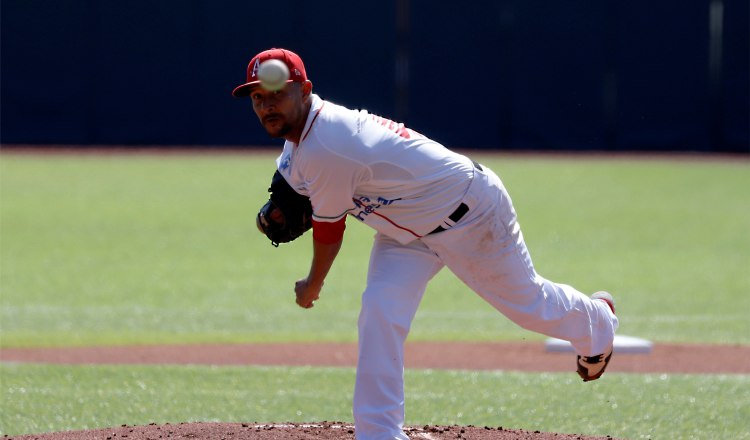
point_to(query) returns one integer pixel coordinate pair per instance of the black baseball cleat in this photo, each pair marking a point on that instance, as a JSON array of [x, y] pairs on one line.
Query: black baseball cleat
[[592, 367]]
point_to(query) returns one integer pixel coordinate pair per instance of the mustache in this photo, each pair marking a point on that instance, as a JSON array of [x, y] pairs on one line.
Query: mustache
[[272, 116]]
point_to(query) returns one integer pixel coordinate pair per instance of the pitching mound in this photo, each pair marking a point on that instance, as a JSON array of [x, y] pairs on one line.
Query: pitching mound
[[292, 431]]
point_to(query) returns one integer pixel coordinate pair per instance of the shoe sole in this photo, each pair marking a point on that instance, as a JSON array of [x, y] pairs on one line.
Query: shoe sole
[[584, 374], [607, 298]]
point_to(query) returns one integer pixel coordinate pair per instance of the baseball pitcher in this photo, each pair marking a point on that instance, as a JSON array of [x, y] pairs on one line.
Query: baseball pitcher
[[431, 208]]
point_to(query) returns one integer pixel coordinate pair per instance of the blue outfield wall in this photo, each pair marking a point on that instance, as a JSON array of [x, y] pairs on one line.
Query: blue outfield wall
[[514, 74]]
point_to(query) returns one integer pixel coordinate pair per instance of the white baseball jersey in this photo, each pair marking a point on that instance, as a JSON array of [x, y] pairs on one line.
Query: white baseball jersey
[[390, 177]]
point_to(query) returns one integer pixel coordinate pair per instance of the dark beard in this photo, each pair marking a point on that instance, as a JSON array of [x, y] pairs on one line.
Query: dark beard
[[283, 131]]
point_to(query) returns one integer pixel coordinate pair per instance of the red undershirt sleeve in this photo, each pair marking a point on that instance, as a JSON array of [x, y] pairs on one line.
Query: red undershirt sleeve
[[329, 232]]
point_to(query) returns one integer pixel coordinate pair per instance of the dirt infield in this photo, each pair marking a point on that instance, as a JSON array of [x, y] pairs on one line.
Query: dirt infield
[[527, 357]]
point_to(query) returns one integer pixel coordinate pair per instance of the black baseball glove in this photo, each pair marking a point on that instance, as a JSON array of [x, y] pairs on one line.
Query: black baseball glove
[[286, 215]]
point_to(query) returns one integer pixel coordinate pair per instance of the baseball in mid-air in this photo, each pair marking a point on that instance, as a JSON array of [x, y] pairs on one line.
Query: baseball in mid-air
[[273, 74]]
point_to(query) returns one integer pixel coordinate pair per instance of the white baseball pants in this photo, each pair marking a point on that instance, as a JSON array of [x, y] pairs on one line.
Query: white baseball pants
[[485, 249]]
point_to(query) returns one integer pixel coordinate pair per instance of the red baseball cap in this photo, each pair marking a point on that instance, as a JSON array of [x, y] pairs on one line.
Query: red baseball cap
[[291, 59]]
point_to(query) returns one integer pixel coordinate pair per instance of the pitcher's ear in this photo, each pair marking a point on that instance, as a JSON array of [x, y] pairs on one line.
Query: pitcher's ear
[[307, 88]]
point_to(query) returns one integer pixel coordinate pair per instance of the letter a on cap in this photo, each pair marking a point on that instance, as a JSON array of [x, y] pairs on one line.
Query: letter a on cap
[[255, 69]]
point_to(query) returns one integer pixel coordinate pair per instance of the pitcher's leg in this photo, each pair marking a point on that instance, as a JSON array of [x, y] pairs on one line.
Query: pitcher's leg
[[397, 278], [489, 254], [538, 304], [573, 316], [535, 303]]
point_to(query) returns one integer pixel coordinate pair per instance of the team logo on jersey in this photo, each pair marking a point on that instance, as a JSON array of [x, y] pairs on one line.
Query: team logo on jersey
[[285, 162], [367, 206]]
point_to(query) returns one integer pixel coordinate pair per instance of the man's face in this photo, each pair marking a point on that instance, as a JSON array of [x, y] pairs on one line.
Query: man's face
[[282, 113]]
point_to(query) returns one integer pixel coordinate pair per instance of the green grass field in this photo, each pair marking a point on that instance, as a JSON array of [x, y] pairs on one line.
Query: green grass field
[[127, 249]]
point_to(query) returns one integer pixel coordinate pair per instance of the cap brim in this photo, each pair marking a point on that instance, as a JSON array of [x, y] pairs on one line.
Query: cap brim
[[243, 90]]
